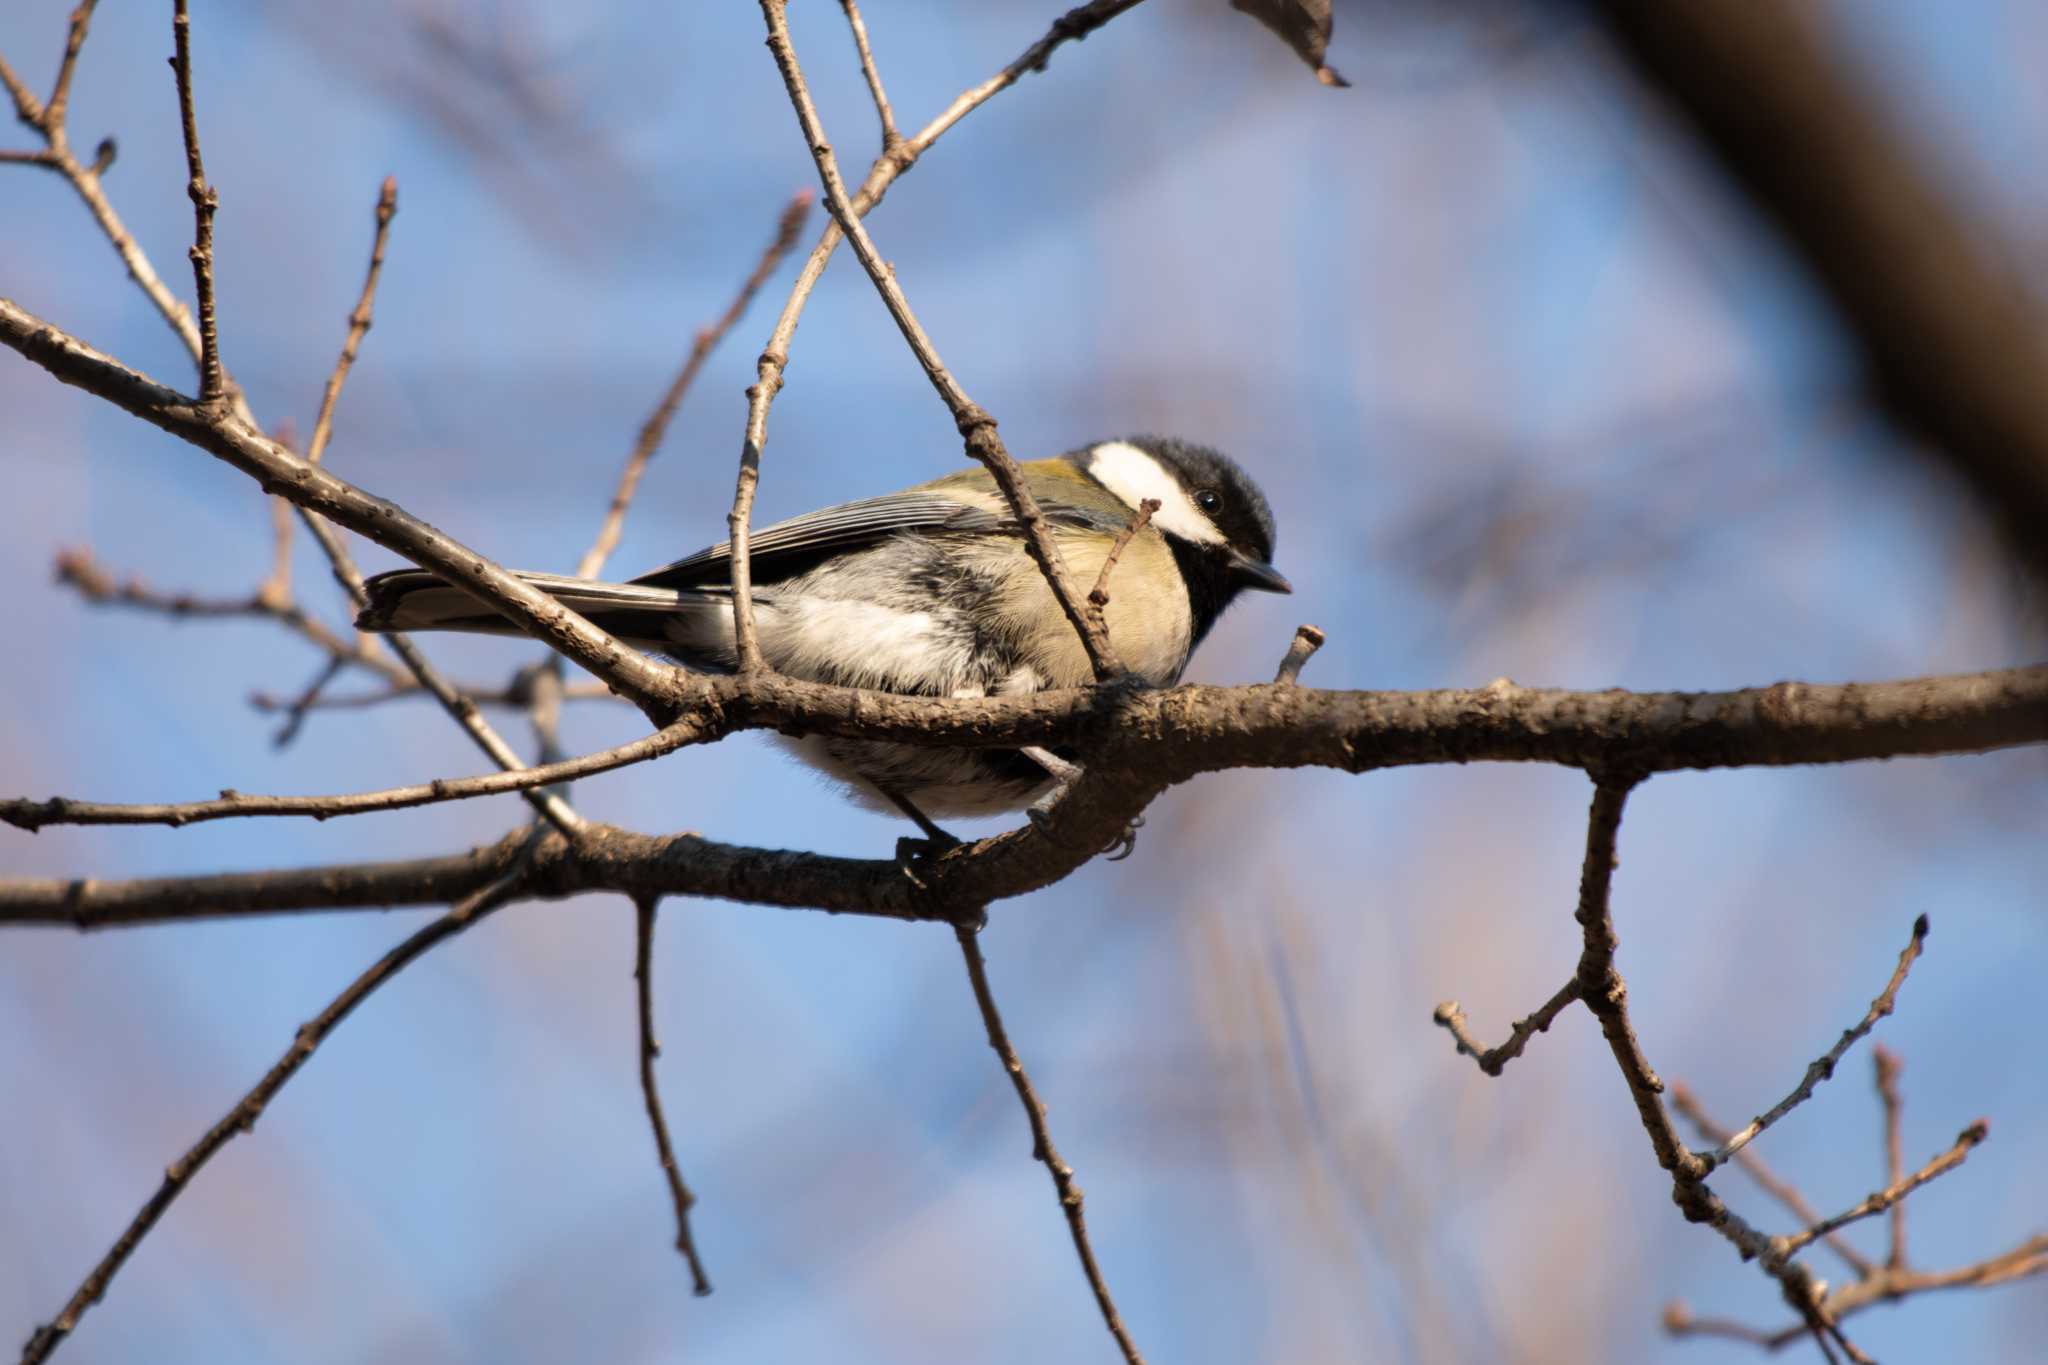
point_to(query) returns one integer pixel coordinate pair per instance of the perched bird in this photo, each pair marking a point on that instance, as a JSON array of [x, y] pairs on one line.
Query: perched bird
[[929, 592]]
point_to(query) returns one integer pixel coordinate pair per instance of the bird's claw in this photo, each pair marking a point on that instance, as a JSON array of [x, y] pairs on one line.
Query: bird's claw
[[1119, 848], [910, 852]]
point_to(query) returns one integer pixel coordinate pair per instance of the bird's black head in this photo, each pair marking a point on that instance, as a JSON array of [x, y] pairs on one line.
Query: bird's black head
[[1210, 511]]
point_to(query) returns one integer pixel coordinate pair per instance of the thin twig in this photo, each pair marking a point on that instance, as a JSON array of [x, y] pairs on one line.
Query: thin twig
[[1886, 1198], [1098, 596], [2028, 1259], [59, 810], [1307, 640], [1824, 1066], [774, 359], [409, 689], [205, 201], [787, 226], [1767, 1180], [890, 137], [276, 587], [679, 1193], [358, 322], [978, 430], [1886, 1065], [242, 1117], [1494, 1060], [1041, 1138], [79, 570], [59, 102], [296, 712]]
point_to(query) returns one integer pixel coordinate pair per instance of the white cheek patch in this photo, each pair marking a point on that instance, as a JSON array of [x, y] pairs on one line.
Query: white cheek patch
[[1134, 476]]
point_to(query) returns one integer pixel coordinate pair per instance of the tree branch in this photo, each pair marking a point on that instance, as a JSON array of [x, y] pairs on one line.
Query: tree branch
[[679, 1193], [205, 201], [1823, 1067], [62, 810], [1956, 343], [1063, 1184], [977, 428], [242, 1118], [656, 426], [279, 471]]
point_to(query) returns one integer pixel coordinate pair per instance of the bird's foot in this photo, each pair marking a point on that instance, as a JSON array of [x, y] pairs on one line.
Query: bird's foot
[[1119, 848], [912, 853]]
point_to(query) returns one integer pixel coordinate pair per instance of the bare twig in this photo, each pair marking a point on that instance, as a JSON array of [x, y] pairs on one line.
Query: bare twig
[[205, 201], [1886, 1065], [1041, 1138], [2028, 1259], [1307, 640], [409, 689], [1824, 1066], [79, 570], [890, 137], [1494, 1060], [1767, 1180], [1889, 1196], [977, 428], [643, 977], [358, 322], [242, 1118], [297, 710], [656, 426], [276, 587], [1098, 596], [60, 810]]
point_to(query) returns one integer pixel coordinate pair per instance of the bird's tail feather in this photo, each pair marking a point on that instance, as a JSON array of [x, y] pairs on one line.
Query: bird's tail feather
[[412, 599]]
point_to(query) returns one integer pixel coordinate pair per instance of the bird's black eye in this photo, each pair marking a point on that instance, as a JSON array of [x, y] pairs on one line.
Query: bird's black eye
[[1209, 500]]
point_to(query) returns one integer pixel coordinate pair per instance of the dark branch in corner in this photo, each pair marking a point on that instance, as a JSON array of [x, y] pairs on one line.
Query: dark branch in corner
[[1956, 343]]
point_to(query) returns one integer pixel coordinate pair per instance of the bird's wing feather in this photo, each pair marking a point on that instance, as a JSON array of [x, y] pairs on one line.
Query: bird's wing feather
[[790, 546]]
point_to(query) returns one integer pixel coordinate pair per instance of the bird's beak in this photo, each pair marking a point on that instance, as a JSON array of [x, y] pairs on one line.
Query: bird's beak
[[1257, 573]]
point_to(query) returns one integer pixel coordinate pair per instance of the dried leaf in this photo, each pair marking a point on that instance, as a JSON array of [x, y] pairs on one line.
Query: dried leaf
[[1303, 25]]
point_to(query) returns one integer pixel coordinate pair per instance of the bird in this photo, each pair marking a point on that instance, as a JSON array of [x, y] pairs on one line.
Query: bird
[[929, 592]]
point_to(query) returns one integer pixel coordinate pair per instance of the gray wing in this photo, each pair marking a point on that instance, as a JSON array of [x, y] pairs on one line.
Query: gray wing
[[790, 547]]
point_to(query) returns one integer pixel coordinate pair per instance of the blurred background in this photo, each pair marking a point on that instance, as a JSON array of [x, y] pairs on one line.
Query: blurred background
[[1533, 396]]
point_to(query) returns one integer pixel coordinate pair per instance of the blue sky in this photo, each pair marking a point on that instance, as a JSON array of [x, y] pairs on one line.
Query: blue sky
[[1532, 397]]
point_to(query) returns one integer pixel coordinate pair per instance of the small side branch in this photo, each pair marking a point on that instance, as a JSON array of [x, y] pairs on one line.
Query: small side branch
[[242, 1118], [643, 978], [1886, 1065], [1767, 1180], [656, 426], [1307, 640], [358, 322], [977, 429], [1098, 596], [33, 815], [1494, 1060], [1888, 1197], [205, 202], [1824, 1066], [1041, 1138]]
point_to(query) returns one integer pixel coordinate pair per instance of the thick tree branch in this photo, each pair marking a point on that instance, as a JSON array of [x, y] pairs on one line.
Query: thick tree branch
[[1956, 343], [1142, 743]]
